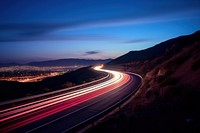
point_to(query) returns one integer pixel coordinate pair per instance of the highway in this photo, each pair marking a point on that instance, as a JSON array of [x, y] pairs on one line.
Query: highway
[[69, 111]]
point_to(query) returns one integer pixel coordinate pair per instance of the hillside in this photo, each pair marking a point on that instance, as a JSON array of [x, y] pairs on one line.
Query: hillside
[[168, 48], [12, 90], [168, 100]]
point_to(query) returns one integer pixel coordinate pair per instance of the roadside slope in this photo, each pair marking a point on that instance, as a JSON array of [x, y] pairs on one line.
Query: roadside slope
[[168, 100]]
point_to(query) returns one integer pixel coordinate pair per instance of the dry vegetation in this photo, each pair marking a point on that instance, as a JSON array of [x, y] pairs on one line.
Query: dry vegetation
[[168, 100]]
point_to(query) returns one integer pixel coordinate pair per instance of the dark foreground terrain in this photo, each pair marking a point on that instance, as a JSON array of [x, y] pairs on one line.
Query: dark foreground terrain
[[168, 100], [12, 90]]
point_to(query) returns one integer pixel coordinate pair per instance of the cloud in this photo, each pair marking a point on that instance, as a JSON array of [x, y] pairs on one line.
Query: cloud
[[54, 37], [91, 52], [99, 15], [137, 41]]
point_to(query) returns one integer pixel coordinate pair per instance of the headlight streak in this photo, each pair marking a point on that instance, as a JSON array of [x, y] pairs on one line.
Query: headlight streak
[[43, 95], [12, 114], [77, 97], [30, 103], [29, 109]]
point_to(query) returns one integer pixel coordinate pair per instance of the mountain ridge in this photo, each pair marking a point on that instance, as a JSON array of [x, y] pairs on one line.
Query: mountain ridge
[[157, 50], [60, 62]]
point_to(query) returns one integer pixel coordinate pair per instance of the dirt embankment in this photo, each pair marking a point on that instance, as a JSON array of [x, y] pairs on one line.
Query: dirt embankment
[[168, 100]]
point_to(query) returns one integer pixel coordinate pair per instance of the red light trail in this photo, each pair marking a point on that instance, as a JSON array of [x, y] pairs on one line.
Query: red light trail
[[21, 115]]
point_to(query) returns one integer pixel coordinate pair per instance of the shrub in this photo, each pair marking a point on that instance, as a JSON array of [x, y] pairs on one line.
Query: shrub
[[196, 65]]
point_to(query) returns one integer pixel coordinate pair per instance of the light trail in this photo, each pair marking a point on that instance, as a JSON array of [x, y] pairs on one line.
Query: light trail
[[49, 106], [56, 98]]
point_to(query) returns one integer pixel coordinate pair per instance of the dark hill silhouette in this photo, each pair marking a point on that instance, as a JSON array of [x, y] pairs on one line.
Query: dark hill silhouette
[[69, 62], [60, 62], [9, 64], [12, 90], [158, 49]]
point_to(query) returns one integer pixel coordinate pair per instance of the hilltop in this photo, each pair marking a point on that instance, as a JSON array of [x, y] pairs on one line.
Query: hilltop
[[167, 48]]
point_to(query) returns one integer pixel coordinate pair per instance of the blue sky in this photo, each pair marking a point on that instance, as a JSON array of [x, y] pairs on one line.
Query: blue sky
[[33, 30]]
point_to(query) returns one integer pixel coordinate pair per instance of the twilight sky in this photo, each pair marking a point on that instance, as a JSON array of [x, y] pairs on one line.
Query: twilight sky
[[33, 30]]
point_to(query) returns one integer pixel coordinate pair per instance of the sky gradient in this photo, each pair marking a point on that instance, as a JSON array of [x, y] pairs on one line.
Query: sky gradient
[[34, 30]]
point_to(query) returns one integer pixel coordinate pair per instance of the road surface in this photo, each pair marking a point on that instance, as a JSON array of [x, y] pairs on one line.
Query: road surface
[[69, 111]]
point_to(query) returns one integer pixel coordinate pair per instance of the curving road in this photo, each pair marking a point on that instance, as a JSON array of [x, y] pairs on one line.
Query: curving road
[[72, 110]]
